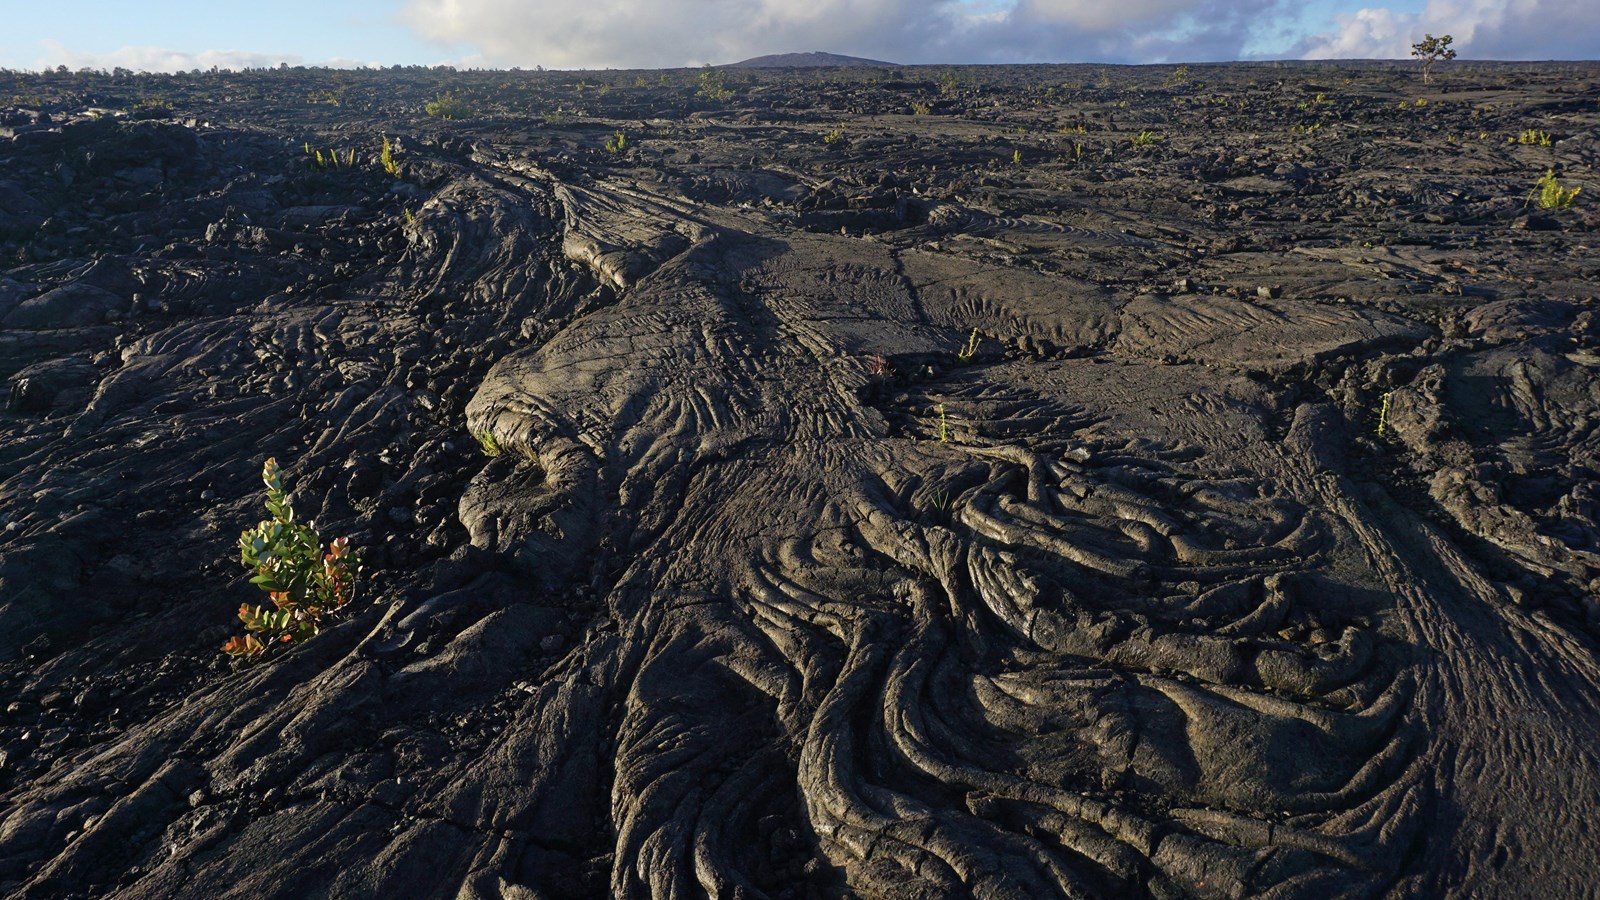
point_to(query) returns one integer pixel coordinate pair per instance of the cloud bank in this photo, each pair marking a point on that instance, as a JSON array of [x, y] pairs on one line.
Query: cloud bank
[[670, 33], [666, 33], [1483, 29]]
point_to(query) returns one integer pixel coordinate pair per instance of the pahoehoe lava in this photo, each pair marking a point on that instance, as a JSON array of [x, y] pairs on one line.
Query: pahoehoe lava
[[910, 487]]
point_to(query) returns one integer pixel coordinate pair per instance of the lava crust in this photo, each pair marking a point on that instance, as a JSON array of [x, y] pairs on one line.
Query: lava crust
[[1011, 482]]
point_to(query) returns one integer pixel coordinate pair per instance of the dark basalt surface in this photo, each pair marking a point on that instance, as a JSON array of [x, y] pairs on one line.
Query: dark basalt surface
[[782, 588]]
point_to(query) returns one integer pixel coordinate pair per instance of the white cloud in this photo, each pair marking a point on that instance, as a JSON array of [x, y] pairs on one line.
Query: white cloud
[[663, 33], [1365, 34], [1482, 29]]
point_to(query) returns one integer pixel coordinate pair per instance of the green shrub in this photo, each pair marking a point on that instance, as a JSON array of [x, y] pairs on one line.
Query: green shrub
[[448, 106], [304, 584], [714, 85]]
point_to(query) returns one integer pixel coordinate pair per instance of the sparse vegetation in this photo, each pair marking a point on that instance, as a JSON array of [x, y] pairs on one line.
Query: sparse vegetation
[[1147, 139], [971, 349], [725, 353], [918, 108], [386, 157], [305, 584], [1534, 137], [1432, 50], [1552, 195], [714, 85], [330, 159], [488, 443], [949, 82], [448, 106], [835, 136]]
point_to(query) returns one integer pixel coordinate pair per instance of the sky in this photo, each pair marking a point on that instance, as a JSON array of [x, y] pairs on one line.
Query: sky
[[564, 34]]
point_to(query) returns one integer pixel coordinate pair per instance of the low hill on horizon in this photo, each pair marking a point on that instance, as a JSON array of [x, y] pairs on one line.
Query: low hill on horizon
[[805, 60]]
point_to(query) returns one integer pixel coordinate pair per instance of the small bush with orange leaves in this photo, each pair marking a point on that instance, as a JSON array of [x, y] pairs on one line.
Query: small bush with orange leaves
[[305, 584]]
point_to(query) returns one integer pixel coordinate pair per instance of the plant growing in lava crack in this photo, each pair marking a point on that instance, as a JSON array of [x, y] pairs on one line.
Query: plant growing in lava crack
[[616, 143], [714, 85], [1431, 50], [332, 159], [304, 583], [488, 443], [971, 349], [1551, 194], [386, 156], [448, 106]]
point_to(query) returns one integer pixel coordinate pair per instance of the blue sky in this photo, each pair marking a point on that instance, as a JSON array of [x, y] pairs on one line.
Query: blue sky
[[314, 32], [311, 31], [657, 33]]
